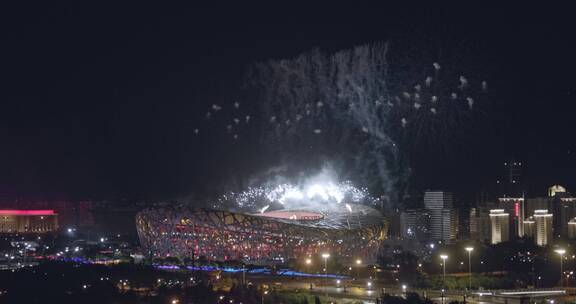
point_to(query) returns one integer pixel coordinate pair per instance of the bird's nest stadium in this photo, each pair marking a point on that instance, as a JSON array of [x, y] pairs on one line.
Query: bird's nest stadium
[[259, 236]]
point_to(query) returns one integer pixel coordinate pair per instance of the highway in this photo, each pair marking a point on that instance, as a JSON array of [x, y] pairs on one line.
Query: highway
[[338, 290]]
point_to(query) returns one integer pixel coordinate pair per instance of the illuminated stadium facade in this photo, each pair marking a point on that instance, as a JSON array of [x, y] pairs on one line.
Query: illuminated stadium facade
[[256, 235]]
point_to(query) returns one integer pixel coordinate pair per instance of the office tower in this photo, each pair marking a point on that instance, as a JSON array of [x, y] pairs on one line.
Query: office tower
[[394, 229], [564, 209], [511, 196], [500, 226], [443, 219], [514, 206], [572, 229], [480, 225], [415, 224], [543, 225], [537, 203], [434, 200], [560, 204], [464, 224], [473, 223], [529, 227]]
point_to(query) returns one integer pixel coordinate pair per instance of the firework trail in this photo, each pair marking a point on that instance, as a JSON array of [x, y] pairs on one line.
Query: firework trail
[[342, 107], [335, 103]]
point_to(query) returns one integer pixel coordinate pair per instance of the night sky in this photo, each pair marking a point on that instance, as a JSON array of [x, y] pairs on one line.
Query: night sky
[[101, 102]]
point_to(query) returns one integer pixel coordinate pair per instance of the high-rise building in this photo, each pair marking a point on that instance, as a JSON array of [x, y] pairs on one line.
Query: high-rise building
[[529, 227], [443, 219], [500, 226], [394, 229], [415, 224], [572, 229], [511, 196], [537, 203], [438, 200], [560, 204], [473, 223], [454, 224], [564, 209], [514, 206], [543, 225], [480, 225], [464, 224]]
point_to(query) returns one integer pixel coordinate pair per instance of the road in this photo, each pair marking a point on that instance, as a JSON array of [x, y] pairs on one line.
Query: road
[[347, 289]]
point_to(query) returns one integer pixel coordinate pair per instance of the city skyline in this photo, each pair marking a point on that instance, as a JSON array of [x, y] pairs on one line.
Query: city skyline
[[261, 154]]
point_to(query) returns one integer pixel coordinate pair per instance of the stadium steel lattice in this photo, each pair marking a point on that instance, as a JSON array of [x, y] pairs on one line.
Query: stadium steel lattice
[[261, 237]]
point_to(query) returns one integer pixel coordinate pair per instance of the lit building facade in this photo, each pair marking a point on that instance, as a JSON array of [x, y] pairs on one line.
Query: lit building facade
[[500, 226], [511, 196], [514, 206], [28, 221], [480, 224], [572, 229], [443, 218], [70, 213], [543, 223], [564, 210], [556, 189], [560, 203], [537, 203], [529, 227]]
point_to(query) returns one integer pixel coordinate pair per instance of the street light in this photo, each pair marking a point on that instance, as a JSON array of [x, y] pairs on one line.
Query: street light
[[358, 263], [444, 258], [263, 294], [308, 263], [469, 249], [561, 252], [325, 256]]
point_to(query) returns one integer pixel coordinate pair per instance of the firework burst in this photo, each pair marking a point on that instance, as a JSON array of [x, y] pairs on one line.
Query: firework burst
[[341, 107]]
